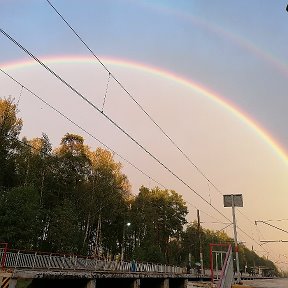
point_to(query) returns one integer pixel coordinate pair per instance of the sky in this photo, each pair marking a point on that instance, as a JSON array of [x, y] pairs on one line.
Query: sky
[[212, 75]]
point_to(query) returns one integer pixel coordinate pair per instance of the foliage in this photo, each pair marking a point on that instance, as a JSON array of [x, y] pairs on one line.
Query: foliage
[[190, 244], [158, 217], [19, 217], [76, 200], [10, 127]]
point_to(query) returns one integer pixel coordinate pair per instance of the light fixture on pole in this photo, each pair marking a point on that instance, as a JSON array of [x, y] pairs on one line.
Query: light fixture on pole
[[234, 200], [123, 240]]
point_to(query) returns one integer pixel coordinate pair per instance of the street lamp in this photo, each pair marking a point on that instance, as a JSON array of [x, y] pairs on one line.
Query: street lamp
[[123, 240]]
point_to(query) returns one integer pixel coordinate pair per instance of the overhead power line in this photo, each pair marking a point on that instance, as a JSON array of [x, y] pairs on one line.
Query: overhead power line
[[134, 100], [274, 220], [91, 135], [138, 104], [273, 226], [111, 121], [83, 129], [251, 238], [107, 147]]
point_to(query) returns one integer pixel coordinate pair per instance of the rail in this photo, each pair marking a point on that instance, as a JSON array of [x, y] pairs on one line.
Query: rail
[[25, 260]]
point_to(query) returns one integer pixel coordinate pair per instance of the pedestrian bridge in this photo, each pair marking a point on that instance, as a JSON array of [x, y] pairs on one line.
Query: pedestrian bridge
[[49, 270]]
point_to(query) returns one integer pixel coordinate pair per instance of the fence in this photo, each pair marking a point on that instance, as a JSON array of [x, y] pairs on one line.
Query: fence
[[25, 260]]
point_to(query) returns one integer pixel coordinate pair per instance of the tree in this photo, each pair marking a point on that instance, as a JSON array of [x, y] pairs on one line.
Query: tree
[[10, 127], [19, 217], [108, 196], [63, 233], [190, 244], [158, 217], [72, 166]]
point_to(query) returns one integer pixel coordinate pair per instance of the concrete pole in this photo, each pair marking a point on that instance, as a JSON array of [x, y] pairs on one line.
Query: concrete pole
[[200, 243], [235, 240], [122, 247], [216, 261]]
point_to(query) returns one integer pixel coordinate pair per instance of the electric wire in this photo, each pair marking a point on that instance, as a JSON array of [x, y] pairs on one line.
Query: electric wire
[[104, 100], [20, 96], [115, 124], [110, 120], [133, 99], [91, 135], [207, 214], [224, 227], [136, 102], [251, 238], [106, 146], [273, 226], [105, 204], [274, 220], [82, 129], [258, 230]]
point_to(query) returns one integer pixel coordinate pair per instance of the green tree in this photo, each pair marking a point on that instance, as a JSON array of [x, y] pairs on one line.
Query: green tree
[[63, 233], [19, 217], [10, 127], [108, 196], [158, 217]]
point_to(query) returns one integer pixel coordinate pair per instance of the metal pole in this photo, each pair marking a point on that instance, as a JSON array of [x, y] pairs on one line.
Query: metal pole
[[122, 247], [235, 240], [211, 263], [216, 260], [200, 243]]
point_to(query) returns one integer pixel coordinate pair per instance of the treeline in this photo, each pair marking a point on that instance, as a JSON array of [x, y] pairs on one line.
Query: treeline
[[72, 199]]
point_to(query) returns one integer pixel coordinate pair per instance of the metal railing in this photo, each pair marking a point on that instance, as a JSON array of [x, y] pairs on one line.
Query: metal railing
[[227, 273], [3, 249], [28, 260]]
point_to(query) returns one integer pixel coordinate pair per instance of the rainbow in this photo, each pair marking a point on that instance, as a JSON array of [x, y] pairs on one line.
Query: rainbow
[[214, 29], [170, 76]]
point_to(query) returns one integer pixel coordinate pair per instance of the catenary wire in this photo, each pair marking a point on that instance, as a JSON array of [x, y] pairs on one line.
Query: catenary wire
[[107, 85], [82, 129], [91, 135], [144, 112], [111, 121], [115, 124], [251, 238], [133, 99], [137, 103]]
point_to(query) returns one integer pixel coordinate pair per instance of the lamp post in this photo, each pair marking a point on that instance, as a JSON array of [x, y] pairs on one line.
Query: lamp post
[[123, 240]]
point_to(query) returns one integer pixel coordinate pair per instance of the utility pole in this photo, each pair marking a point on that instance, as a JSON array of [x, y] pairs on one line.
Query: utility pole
[[234, 200], [235, 240], [200, 243]]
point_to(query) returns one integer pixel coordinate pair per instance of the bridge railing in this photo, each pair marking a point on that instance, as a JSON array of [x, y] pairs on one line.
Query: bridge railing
[[25, 260]]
